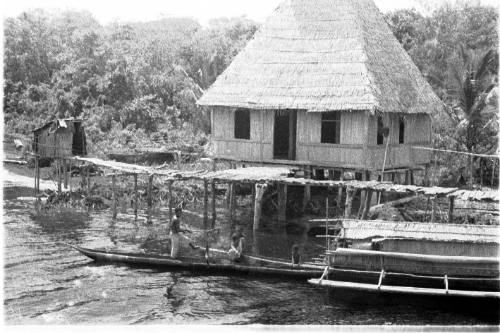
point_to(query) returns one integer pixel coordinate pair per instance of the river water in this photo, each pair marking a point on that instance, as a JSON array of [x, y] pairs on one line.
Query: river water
[[46, 282]]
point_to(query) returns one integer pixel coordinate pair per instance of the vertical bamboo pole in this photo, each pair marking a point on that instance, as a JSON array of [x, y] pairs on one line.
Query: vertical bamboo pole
[[37, 183], [307, 197], [348, 202], [327, 225], [113, 188], [214, 203], [179, 156], [426, 175], [59, 178], [450, 209], [366, 207], [136, 196], [362, 197], [433, 212], [70, 170], [170, 201], [88, 180], [231, 204], [341, 188], [205, 204], [257, 211], [150, 198], [471, 180], [493, 173], [282, 197], [65, 172]]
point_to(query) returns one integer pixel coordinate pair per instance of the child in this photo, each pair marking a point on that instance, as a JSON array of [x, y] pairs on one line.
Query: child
[[295, 256], [236, 247], [175, 234]]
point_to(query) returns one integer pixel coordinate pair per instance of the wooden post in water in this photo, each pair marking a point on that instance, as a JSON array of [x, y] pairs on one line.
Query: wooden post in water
[[150, 198], [282, 194], [366, 208], [170, 201], [205, 204], [307, 197], [341, 188], [70, 168], [65, 172], [433, 212], [37, 183], [136, 196], [231, 204], [257, 211], [179, 156], [426, 175], [214, 203], [450, 209], [348, 202], [113, 188], [59, 178], [88, 180], [362, 196], [327, 225]]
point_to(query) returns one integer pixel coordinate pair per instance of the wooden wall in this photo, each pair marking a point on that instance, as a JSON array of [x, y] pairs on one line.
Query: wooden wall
[[357, 148]]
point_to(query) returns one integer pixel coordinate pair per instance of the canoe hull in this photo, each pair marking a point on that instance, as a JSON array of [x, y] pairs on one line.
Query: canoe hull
[[198, 266]]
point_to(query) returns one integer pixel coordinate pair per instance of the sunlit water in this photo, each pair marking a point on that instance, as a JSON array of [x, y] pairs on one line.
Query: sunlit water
[[48, 283]]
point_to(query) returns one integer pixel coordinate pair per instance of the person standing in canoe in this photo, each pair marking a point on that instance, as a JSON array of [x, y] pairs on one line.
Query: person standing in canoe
[[295, 256], [175, 234], [236, 247]]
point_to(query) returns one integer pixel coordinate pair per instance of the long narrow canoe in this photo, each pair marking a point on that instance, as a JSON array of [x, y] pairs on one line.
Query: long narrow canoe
[[249, 265]]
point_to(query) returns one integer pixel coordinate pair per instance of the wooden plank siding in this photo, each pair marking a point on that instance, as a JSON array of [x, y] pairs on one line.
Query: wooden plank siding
[[358, 137]]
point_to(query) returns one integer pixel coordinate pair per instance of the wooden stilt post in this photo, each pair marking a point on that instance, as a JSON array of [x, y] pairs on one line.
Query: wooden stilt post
[[179, 156], [37, 183], [327, 224], [282, 196], [307, 197], [471, 167], [348, 202], [65, 172], [59, 178], [341, 188], [231, 204], [214, 164], [493, 173], [450, 209], [114, 198], [426, 175], [362, 196], [412, 180], [433, 212], [88, 180], [257, 211], [150, 198], [366, 208], [170, 201], [214, 203], [69, 169], [136, 196], [205, 204]]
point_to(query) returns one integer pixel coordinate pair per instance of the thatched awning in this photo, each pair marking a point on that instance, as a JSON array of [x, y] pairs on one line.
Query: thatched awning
[[324, 55]]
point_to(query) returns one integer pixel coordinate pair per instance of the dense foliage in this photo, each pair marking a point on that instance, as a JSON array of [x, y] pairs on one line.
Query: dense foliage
[[456, 48], [136, 84]]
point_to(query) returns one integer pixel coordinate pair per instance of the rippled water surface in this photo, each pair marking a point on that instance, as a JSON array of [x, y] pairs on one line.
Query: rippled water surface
[[46, 282]]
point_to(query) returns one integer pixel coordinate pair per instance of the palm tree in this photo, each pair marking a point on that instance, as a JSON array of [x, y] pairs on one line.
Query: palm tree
[[471, 81]]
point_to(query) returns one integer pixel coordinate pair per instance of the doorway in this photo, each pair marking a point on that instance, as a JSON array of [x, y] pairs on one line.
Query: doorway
[[285, 133]]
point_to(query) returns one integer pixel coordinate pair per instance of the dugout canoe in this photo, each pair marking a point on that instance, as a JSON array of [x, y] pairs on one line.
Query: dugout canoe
[[250, 265]]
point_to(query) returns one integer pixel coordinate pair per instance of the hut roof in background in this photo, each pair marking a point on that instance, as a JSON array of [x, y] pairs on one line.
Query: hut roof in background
[[324, 55]]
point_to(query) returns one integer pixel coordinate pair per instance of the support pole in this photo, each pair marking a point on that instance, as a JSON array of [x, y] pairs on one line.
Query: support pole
[[327, 225], [362, 196], [65, 172], [366, 208], [70, 168], [257, 211], [136, 196], [231, 204], [113, 187], [282, 196], [59, 178], [307, 197], [348, 202], [37, 183], [214, 202], [170, 201], [433, 212], [150, 197], [179, 156], [88, 180], [205, 204], [426, 175], [341, 188], [450, 209]]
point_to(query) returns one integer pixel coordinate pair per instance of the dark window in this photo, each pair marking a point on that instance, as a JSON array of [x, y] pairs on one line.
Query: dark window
[[380, 131], [401, 131], [242, 124], [330, 127]]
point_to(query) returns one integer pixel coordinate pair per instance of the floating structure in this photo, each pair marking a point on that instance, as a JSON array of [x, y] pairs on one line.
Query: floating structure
[[324, 85], [415, 258]]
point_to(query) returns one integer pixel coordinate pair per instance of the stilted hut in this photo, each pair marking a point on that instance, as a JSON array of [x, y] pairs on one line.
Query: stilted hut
[[318, 85]]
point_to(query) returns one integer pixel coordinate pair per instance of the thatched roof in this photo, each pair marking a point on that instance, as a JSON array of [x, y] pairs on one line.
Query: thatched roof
[[324, 55]]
